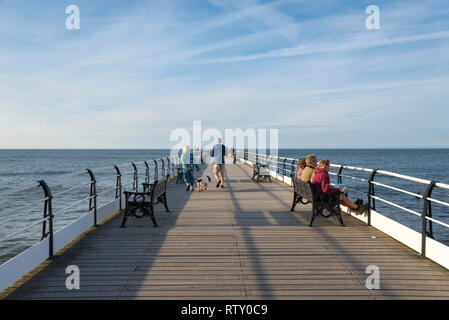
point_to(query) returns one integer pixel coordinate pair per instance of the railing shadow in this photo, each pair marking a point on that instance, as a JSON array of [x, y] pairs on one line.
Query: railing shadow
[[113, 262]]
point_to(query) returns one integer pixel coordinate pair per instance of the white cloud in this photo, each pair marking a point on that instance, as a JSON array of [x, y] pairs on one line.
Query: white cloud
[[128, 82]]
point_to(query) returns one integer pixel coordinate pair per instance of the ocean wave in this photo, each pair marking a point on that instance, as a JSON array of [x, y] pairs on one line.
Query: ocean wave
[[39, 173]]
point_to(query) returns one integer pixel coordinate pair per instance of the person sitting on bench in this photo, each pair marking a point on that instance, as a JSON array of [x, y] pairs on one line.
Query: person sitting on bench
[[309, 170], [321, 183], [300, 168]]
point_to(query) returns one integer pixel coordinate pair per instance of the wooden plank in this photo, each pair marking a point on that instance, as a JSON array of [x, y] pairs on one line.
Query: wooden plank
[[240, 242]]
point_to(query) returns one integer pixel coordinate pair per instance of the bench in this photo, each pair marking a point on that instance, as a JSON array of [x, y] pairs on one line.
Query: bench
[[141, 204], [180, 176], [322, 203], [260, 172]]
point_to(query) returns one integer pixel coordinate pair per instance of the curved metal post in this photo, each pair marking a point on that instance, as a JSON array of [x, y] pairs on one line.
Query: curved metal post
[[168, 167], [147, 172], [339, 174], [283, 167], [156, 170], [93, 195], [118, 186], [135, 178], [48, 213], [427, 211], [371, 201], [292, 172], [163, 169]]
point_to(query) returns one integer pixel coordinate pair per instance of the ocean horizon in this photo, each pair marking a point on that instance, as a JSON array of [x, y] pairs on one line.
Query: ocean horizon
[[20, 167]]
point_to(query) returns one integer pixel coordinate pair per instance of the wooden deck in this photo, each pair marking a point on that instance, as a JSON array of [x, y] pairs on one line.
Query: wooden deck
[[240, 242]]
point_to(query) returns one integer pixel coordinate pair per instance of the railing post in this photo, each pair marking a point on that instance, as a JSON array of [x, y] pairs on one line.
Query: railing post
[[48, 212], [292, 172], [168, 167], [371, 201], [427, 211], [118, 186], [277, 165], [339, 174], [93, 195], [163, 169], [147, 172], [156, 170], [135, 178], [283, 167]]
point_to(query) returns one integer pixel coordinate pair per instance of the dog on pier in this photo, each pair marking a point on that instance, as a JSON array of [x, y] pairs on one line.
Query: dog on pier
[[202, 183]]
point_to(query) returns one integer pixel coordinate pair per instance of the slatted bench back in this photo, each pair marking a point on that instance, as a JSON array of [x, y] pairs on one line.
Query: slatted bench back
[[160, 188], [304, 189]]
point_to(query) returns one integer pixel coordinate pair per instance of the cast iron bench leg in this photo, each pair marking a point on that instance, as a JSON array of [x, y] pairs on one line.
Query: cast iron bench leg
[[338, 214], [295, 201], [164, 201], [125, 216], [314, 214], [151, 214]]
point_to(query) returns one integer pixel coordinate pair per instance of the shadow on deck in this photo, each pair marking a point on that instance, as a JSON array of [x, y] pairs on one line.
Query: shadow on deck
[[240, 242]]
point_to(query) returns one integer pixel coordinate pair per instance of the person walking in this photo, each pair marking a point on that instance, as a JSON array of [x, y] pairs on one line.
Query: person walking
[[218, 152], [187, 167]]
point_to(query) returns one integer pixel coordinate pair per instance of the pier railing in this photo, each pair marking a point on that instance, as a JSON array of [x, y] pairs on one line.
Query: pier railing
[[51, 240], [283, 169]]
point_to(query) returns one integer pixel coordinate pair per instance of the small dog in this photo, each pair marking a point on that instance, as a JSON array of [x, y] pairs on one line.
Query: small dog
[[202, 183]]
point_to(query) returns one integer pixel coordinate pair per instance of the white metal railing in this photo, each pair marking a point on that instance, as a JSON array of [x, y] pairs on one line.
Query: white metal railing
[[15, 267], [285, 168]]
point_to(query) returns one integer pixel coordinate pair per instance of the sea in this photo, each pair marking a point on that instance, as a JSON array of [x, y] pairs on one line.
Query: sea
[[26, 167]]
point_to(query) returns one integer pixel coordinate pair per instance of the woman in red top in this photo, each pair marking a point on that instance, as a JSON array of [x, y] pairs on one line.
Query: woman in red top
[[321, 183]]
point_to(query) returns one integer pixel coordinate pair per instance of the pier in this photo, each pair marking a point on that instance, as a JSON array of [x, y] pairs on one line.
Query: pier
[[240, 242]]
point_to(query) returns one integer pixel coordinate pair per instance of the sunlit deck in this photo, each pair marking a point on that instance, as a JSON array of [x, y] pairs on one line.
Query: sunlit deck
[[240, 242]]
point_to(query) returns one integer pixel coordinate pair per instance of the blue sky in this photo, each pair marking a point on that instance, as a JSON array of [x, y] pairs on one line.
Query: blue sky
[[136, 70]]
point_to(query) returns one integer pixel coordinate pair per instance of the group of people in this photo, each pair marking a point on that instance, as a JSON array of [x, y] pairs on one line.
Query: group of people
[[309, 169], [218, 152]]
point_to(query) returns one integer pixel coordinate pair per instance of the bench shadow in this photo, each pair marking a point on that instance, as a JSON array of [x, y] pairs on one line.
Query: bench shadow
[[118, 263], [113, 262], [300, 217]]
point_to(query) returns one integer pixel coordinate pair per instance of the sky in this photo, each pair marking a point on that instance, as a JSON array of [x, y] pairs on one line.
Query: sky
[[137, 70]]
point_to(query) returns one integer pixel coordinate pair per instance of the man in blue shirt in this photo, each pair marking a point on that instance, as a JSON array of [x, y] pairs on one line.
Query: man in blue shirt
[[218, 152]]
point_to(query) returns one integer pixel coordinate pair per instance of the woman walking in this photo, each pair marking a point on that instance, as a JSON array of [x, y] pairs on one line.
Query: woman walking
[[187, 167]]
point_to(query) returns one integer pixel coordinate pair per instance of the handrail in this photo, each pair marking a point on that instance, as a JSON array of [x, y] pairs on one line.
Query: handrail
[[92, 198], [19, 189], [426, 215]]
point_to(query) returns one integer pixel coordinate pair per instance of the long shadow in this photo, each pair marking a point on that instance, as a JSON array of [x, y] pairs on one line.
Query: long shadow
[[116, 261], [254, 254], [109, 257], [256, 259]]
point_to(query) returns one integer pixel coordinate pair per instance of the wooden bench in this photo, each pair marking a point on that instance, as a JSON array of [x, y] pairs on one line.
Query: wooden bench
[[141, 204], [260, 172], [322, 203]]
